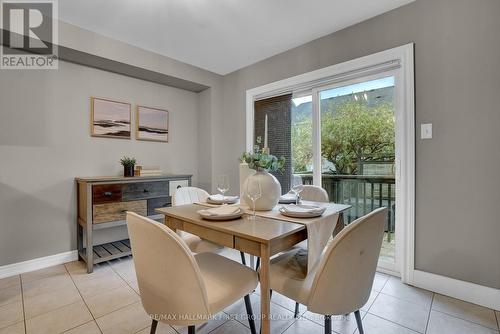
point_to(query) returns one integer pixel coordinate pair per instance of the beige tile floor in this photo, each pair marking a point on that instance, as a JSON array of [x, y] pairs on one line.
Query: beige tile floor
[[65, 299]]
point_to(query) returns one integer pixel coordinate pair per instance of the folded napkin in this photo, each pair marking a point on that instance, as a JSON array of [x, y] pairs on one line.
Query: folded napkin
[[289, 196], [222, 210], [221, 198], [302, 208]]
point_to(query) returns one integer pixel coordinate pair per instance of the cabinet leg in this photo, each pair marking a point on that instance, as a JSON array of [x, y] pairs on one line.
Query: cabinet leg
[[89, 250]]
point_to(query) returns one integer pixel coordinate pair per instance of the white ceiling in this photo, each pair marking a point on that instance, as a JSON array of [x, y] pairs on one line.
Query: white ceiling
[[219, 35]]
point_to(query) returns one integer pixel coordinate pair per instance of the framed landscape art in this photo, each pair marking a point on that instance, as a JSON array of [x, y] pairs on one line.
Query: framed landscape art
[[152, 124], [110, 118]]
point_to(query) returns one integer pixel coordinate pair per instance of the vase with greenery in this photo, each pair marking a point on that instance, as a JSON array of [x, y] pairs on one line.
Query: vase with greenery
[[128, 166], [270, 189]]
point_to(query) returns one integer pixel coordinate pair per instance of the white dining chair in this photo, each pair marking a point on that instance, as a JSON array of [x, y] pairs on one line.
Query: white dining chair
[[190, 195], [314, 194], [178, 287], [342, 280]]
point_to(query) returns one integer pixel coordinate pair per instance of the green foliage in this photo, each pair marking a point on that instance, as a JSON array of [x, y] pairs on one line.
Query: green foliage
[[350, 133], [260, 160], [128, 162]]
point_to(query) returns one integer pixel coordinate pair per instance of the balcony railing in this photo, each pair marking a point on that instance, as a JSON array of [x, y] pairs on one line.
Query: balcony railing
[[364, 192]]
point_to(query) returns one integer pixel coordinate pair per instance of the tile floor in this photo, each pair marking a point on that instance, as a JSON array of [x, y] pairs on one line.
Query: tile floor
[[65, 299]]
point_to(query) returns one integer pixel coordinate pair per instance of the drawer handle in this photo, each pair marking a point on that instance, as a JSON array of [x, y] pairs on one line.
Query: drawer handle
[[108, 193], [146, 191], [179, 186]]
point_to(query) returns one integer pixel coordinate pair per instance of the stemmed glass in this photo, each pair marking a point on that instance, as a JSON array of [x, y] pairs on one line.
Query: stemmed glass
[[297, 187], [223, 185], [254, 192]]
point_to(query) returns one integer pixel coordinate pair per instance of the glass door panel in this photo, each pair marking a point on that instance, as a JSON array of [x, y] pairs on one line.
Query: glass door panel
[[302, 138], [357, 123]]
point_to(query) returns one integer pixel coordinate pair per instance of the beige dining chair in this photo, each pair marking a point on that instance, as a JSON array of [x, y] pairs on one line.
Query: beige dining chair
[[178, 287], [314, 194], [190, 195], [342, 280]]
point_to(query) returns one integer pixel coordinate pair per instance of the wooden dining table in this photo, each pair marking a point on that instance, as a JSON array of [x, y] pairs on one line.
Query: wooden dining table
[[262, 237]]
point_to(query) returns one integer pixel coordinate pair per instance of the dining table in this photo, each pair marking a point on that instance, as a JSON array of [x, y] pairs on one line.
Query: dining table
[[268, 234]]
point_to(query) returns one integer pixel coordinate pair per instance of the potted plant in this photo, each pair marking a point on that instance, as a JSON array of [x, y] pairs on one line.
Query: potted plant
[[270, 189], [128, 166]]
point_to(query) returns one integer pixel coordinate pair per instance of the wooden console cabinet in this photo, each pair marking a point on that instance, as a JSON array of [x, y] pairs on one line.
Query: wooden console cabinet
[[104, 201]]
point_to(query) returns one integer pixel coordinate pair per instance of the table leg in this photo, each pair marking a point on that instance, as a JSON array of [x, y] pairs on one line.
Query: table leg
[[340, 224], [265, 286]]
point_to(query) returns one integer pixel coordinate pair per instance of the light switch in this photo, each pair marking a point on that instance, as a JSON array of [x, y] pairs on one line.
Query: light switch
[[426, 131]]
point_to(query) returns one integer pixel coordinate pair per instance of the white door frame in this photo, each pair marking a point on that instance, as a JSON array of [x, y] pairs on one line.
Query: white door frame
[[401, 61]]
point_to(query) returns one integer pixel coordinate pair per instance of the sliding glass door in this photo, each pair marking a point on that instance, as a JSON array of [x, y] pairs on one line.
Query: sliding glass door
[[343, 139]]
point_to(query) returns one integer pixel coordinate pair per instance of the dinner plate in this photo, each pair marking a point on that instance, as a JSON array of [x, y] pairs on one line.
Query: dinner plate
[[316, 213], [226, 200], [206, 215]]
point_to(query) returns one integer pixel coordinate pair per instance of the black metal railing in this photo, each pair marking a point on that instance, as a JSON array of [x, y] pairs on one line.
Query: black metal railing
[[364, 192]]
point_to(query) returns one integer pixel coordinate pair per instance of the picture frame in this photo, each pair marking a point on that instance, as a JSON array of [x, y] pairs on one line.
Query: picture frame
[[152, 124], [110, 119]]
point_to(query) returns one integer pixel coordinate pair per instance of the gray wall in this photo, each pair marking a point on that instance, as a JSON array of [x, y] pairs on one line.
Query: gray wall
[[45, 142], [457, 69]]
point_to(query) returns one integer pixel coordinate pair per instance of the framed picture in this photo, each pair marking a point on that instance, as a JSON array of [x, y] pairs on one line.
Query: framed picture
[[110, 118], [152, 124]]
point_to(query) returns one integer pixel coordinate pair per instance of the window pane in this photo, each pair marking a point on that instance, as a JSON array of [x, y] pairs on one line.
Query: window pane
[[358, 150], [302, 150]]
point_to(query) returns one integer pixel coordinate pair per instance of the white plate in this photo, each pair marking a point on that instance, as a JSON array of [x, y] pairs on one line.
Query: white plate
[[204, 215], [226, 200], [313, 214]]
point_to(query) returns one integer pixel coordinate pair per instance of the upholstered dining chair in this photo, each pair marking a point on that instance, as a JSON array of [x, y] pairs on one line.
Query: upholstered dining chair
[[178, 287], [342, 280], [314, 194], [190, 195]]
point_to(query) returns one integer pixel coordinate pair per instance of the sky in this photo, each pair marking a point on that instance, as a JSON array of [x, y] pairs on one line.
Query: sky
[[350, 89]]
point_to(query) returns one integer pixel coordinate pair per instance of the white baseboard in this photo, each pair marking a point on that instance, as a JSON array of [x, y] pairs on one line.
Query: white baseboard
[[470, 292], [39, 263]]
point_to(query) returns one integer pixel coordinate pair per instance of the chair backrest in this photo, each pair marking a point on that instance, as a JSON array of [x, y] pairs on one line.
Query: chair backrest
[[170, 283], [314, 193], [345, 274], [189, 195]]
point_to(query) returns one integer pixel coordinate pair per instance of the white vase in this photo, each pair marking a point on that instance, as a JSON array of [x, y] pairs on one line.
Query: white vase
[[270, 190]]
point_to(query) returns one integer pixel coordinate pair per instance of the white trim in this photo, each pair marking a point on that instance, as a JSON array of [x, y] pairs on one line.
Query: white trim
[[470, 292], [36, 264], [399, 60]]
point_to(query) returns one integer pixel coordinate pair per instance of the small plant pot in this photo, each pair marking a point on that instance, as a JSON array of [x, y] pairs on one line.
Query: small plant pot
[[128, 171]]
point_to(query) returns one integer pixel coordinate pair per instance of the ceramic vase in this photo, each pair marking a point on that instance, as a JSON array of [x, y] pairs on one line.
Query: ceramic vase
[[270, 191]]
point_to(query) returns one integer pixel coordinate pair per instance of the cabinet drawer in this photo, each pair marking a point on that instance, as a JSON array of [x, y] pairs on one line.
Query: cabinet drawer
[[174, 185], [109, 212], [155, 203], [145, 190], [106, 193]]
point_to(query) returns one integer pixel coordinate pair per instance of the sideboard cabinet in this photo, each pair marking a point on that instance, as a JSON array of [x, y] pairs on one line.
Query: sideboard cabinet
[[104, 201]]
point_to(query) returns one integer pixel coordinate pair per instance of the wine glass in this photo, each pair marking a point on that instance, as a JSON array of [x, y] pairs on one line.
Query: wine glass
[[223, 185], [254, 192], [297, 187]]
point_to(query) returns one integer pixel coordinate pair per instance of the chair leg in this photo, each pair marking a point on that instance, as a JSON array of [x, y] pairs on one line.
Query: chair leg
[[328, 324], [257, 265], [251, 320], [191, 330], [154, 324], [243, 261], [296, 314], [358, 321]]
